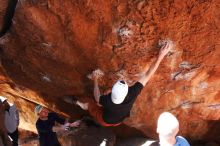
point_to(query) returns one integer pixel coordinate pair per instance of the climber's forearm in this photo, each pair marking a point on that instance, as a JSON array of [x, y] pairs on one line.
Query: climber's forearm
[[148, 73], [96, 91]]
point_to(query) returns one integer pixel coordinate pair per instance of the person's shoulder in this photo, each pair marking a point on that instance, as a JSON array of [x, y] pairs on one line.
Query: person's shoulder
[[106, 95], [12, 107], [137, 85], [181, 138], [135, 88], [52, 114], [182, 141], [38, 121]]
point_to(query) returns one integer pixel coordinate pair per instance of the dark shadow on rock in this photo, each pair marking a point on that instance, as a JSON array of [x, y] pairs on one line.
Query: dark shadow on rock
[[128, 136], [211, 138], [213, 134], [137, 142], [127, 132], [88, 134]]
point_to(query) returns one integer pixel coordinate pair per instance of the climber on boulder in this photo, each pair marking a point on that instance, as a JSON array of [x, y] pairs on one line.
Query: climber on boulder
[[116, 106], [47, 126]]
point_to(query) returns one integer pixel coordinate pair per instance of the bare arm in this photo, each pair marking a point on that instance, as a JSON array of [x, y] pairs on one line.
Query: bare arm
[[95, 75], [148, 73], [96, 90]]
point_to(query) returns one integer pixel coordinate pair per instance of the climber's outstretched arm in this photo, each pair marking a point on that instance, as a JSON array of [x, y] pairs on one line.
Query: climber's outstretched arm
[[148, 73], [96, 89]]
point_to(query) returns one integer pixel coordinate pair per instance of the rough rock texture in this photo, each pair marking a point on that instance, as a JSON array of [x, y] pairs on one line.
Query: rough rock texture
[[3, 8], [54, 44], [26, 100]]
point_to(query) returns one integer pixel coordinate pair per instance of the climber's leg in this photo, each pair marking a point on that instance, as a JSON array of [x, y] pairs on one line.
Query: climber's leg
[[73, 100], [83, 106]]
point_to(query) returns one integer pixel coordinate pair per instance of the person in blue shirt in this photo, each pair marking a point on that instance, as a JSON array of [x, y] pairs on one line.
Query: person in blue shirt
[[180, 141], [167, 128], [46, 126]]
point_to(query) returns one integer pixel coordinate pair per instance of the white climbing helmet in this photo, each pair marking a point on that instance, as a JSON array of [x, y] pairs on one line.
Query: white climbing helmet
[[167, 124], [119, 92]]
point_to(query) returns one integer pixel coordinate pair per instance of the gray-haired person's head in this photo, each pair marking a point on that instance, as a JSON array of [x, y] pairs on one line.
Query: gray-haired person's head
[[167, 125]]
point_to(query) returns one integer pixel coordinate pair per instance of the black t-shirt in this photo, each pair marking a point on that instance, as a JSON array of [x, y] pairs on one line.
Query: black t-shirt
[[116, 113], [44, 128]]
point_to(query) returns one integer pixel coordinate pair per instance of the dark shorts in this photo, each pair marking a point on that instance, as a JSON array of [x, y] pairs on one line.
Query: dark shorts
[[97, 112]]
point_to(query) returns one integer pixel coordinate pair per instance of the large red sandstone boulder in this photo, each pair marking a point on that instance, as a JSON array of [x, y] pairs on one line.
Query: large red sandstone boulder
[[53, 45]]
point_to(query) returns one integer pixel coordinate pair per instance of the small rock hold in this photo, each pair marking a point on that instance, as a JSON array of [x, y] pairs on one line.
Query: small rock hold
[[125, 32], [4, 39], [98, 72], [46, 78], [185, 65], [140, 5], [203, 85], [47, 45]]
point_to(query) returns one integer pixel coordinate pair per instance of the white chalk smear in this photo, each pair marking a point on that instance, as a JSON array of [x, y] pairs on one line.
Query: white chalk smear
[[98, 72], [185, 65], [181, 76], [124, 31], [46, 78], [203, 85]]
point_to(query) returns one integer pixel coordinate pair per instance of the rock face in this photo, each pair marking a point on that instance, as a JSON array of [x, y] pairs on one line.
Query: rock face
[[7, 10], [53, 45]]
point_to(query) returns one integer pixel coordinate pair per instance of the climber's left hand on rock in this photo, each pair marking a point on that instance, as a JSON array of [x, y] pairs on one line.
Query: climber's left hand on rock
[[165, 49]]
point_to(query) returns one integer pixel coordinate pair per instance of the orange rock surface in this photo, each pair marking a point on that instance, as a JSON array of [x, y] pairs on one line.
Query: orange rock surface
[[53, 45]]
